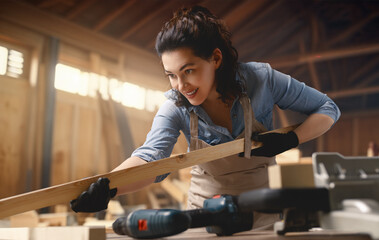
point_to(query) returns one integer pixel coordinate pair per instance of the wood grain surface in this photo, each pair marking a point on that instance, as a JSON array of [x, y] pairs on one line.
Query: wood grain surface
[[63, 193]]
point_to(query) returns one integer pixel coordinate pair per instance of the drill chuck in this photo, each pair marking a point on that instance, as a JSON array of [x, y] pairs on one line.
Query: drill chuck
[[152, 223]]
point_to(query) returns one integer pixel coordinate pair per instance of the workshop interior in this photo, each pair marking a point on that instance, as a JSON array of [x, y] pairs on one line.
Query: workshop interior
[[80, 84]]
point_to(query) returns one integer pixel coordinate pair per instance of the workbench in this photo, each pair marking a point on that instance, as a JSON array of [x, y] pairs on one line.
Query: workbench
[[200, 233]]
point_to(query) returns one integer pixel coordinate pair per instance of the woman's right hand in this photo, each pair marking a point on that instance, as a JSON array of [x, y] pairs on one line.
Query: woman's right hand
[[95, 198]]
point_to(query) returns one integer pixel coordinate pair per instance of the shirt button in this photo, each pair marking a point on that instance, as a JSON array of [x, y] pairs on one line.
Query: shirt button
[[234, 115]]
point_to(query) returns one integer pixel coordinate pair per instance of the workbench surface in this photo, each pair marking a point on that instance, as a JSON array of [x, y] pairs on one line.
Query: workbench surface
[[201, 233]]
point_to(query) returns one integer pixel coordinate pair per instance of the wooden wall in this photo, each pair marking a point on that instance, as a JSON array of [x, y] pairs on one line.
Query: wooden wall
[[79, 148], [351, 134]]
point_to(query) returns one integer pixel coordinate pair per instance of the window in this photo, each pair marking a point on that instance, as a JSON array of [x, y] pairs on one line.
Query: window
[[73, 80], [11, 62]]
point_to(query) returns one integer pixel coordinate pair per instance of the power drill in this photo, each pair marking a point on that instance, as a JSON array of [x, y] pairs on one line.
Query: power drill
[[220, 215]]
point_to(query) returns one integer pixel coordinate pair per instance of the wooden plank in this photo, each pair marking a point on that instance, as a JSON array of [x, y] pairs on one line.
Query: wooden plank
[[201, 233], [56, 233], [66, 192]]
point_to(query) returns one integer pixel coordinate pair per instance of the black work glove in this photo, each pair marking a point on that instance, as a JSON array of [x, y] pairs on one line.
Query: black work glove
[[95, 199], [274, 143]]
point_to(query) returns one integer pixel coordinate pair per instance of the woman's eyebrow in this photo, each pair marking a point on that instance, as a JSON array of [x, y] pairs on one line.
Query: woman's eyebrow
[[182, 67], [186, 65]]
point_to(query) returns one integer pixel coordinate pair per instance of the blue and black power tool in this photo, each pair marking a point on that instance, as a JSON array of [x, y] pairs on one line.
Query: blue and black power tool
[[220, 215]]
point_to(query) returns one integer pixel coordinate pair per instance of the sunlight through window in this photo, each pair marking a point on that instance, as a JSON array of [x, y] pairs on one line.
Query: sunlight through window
[[3, 60], [72, 80]]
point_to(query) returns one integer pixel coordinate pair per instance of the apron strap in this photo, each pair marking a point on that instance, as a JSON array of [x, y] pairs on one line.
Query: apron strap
[[194, 130], [248, 118]]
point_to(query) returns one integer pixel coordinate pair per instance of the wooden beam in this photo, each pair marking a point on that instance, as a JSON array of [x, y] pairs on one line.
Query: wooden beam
[[353, 29], [363, 69], [25, 15], [353, 92], [57, 233], [366, 81], [48, 3], [243, 11], [79, 8], [68, 191], [312, 69], [51, 59], [248, 30], [144, 21], [114, 14], [294, 60]]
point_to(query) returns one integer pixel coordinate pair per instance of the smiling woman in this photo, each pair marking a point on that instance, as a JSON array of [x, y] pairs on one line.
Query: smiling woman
[[213, 100]]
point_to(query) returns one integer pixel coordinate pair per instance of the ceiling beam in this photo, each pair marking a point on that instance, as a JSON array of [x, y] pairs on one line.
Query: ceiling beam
[[353, 92], [367, 80], [364, 68], [48, 3], [114, 14], [249, 46], [243, 11], [293, 60], [78, 9], [247, 29], [352, 30], [144, 21], [23, 14]]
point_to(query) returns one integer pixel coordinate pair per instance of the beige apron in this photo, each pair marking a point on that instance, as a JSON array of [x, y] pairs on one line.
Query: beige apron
[[231, 175]]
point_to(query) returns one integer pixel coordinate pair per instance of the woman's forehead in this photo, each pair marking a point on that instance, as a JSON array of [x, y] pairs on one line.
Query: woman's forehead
[[176, 59]]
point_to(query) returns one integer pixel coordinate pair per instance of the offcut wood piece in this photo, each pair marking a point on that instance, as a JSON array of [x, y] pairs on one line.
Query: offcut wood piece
[[114, 210], [94, 222], [65, 192], [290, 156], [26, 219], [56, 233], [58, 219], [291, 176]]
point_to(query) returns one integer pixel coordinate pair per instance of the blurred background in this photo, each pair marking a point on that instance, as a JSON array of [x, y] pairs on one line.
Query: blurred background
[[80, 82]]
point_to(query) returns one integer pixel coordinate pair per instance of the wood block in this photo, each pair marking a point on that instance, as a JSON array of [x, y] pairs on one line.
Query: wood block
[[61, 208], [58, 219], [56, 233], [291, 176], [27, 219], [290, 156]]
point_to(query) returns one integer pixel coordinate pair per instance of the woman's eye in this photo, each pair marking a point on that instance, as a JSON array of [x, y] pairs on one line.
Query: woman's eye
[[189, 71], [171, 76]]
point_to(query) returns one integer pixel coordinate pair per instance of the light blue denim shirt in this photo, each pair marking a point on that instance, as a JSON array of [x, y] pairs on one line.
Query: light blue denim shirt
[[265, 87]]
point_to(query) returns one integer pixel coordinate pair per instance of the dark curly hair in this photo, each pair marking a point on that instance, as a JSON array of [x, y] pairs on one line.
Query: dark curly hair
[[198, 29]]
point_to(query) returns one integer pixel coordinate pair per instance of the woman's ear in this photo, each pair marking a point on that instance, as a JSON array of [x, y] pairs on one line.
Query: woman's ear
[[217, 57]]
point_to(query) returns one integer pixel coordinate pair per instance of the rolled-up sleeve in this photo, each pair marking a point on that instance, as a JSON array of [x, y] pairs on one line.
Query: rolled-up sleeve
[[289, 93], [162, 136]]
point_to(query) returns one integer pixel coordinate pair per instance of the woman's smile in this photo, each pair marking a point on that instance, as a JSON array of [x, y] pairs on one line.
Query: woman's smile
[[192, 93]]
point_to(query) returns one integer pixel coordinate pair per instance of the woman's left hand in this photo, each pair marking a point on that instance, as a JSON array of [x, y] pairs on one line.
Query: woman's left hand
[[274, 143]]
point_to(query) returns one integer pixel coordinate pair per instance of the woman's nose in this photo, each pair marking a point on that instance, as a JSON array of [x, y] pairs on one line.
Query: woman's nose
[[182, 84]]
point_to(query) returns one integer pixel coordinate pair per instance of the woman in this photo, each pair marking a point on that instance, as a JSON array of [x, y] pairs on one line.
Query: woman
[[211, 93]]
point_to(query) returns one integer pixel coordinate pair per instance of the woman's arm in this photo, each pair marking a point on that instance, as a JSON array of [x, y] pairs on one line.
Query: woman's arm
[[133, 187], [314, 126]]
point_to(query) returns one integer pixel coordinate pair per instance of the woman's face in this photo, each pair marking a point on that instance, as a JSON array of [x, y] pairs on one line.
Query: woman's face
[[192, 76]]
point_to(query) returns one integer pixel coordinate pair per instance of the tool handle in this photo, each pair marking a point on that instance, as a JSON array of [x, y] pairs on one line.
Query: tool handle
[[152, 223], [200, 217]]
